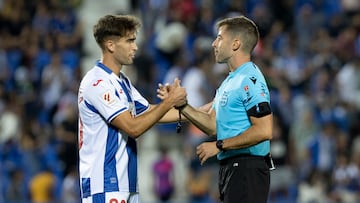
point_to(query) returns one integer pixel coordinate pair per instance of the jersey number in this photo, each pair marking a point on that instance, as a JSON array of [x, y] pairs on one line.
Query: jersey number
[[116, 201]]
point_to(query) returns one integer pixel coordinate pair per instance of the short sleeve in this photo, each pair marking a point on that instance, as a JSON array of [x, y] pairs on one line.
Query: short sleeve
[[253, 91], [104, 98]]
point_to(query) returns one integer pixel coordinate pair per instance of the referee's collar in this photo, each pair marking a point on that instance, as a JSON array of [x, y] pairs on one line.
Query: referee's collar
[[102, 66], [240, 68]]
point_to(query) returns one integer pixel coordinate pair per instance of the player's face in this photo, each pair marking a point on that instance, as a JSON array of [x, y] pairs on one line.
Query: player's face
[[125, 49], [222, 46]]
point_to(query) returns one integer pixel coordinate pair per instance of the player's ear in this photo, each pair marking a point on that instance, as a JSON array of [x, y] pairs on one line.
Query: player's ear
[[109, 45]]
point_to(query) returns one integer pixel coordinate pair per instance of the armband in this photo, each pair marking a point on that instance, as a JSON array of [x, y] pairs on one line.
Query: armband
[[259, 110]]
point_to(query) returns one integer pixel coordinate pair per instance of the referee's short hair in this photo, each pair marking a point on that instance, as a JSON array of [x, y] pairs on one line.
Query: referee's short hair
[[244, 28]]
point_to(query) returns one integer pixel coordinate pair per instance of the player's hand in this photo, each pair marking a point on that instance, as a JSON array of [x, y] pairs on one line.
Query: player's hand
[[174, 93], [163, 91], [206, 150], [181, 90]]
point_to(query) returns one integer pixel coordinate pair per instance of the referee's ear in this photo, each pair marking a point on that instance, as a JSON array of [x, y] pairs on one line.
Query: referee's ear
[[236, 44]]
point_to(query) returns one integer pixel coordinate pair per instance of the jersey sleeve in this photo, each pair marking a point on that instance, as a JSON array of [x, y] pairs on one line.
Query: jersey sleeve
[[141, 104], [254, 91], [102, 97]]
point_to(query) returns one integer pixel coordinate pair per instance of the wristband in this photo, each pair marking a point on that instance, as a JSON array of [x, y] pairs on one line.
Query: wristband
[[180, 108]]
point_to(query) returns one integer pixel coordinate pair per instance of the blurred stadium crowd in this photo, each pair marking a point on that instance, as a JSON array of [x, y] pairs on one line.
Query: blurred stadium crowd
[[309, 53]]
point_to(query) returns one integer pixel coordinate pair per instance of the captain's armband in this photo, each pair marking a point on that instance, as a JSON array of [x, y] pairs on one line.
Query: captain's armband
[[260, 110]]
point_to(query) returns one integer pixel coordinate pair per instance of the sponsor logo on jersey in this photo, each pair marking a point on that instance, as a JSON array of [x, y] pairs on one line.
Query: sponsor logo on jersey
[[253, 79], [97, 82]]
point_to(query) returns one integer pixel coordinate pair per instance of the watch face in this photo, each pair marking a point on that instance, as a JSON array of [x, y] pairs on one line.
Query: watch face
[[219, 144]]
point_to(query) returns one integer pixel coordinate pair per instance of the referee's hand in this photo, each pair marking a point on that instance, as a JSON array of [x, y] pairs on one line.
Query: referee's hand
[[206, 150]]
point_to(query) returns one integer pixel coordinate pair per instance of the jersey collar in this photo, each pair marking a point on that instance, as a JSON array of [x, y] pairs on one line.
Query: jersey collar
[[239, 69], [102, 66]]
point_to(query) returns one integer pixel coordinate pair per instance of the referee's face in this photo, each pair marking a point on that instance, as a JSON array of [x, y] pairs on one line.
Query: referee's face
[[125, 49], [222, 46]]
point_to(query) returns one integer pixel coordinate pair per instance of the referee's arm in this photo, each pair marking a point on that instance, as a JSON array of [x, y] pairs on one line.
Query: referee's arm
[[260, 130], [205, 121], [173, 114]]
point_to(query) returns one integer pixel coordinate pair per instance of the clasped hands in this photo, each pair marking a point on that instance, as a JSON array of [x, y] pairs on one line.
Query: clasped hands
[[173, 92], [204, 150]]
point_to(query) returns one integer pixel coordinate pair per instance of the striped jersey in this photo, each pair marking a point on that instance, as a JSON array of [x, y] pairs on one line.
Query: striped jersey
[[240, 91], [107, 156]]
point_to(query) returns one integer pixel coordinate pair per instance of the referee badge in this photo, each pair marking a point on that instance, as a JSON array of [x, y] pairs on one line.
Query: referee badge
[[224, 98]]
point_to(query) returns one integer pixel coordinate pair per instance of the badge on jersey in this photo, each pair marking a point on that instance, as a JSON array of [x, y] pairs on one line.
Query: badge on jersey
[[224, 98], [107, 97]]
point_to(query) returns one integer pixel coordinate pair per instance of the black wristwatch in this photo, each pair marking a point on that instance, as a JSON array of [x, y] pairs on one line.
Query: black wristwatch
[[219, 145]]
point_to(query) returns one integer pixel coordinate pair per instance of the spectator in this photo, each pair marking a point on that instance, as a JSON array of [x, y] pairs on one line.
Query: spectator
[[42, 187], [55, 78], [16, 191], [313, 189], [70, 191], [163, 170], [9, 121], [321, 149]]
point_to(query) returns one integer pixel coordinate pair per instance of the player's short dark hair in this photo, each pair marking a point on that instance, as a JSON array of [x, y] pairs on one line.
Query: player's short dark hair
[[115, 25], [244, 28]]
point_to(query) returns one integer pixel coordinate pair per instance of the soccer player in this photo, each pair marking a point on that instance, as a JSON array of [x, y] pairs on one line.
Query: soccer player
[[112, 114]]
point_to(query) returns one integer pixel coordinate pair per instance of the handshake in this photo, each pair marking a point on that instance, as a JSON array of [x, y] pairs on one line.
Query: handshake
[[174, 93]]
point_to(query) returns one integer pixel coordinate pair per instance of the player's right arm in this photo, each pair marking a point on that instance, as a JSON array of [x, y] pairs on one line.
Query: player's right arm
[[136, 126]]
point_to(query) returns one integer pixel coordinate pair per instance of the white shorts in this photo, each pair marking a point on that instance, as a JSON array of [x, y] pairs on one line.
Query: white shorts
[[113, 197]]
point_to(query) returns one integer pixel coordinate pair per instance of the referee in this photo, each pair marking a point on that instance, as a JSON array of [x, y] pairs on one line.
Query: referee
[[240, 116]]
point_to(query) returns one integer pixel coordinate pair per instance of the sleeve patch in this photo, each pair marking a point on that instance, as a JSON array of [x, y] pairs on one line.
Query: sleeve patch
[[107, 97]]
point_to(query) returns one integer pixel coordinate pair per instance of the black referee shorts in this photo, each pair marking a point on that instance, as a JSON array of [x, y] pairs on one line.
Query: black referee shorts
[[244, 179]]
